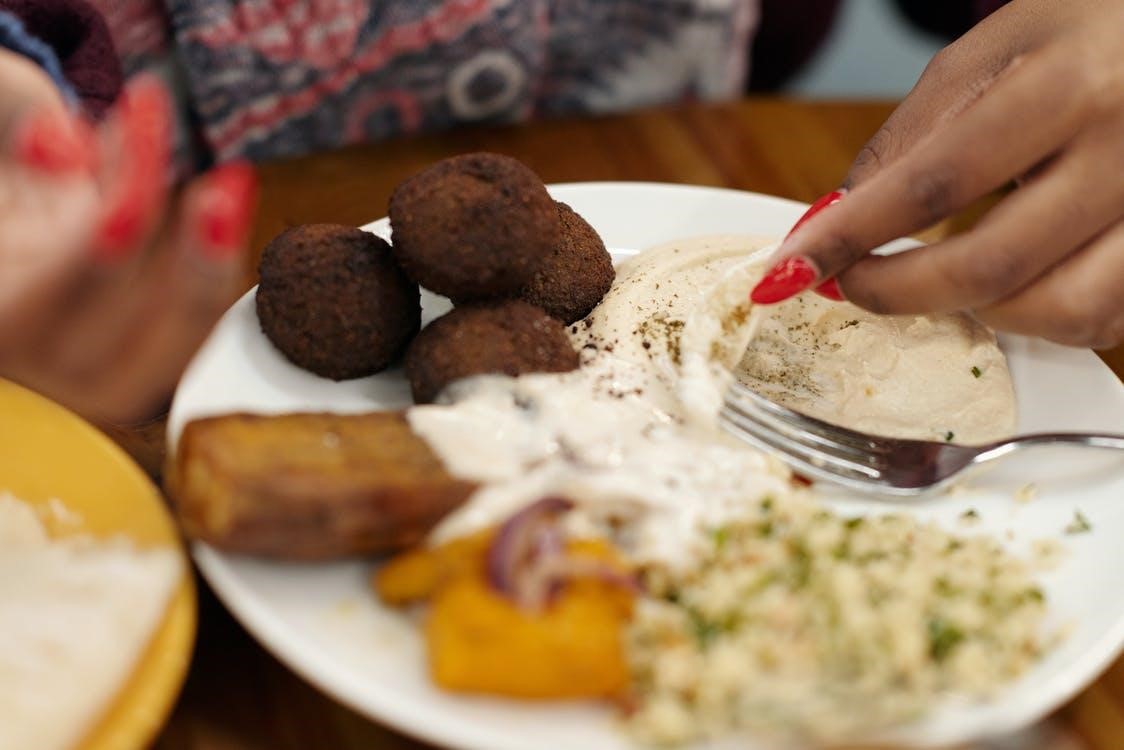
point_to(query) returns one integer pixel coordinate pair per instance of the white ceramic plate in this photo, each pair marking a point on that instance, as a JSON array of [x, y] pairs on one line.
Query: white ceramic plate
[[323, 622]]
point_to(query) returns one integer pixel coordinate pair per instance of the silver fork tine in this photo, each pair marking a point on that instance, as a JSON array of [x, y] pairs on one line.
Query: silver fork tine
[[812, 440], [763, 438], [839, 435], [795, 442], [795, 438], [823, 434], [840, 477]]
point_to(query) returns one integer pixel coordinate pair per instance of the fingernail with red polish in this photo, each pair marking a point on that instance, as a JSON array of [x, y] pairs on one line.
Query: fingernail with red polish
[[138, 196], [226, 210], [786, 279], [118, 233], [52, 142], [831, 290], [820, 204]]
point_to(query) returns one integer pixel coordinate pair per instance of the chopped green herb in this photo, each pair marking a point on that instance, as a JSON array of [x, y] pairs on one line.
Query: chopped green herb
[[943, 637], [970, 513], [943, 587], [948, 436], [854, 523], [766, 503], [764, 581], [1079, 525], [976, 372], [705, 630], [801, 564], [721, 537]]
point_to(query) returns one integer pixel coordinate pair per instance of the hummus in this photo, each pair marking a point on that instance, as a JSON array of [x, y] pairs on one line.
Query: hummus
[[938, 377], [682, 307], [633, 433]]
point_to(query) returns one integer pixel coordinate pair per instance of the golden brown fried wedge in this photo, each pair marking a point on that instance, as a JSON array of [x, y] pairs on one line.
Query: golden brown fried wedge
[[309, 486]]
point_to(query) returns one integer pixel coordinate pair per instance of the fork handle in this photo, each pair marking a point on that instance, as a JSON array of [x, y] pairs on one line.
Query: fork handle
[[1092, 440]]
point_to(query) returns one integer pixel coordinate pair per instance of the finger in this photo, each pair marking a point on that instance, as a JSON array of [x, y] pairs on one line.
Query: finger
[[136, 169], [1077, 303], [952, 81], [956, 77], [100, 310], [48, 206], [37, 128], [829, 288], [974, 154], [51, 141], [26, 87], [1027, 233], [192, 286]]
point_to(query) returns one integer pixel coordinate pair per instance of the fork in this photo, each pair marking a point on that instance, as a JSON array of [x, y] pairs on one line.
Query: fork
[[870, 463]]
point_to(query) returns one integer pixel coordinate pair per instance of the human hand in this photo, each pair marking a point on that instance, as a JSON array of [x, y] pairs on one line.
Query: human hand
[[107, 286], [1035, 94]]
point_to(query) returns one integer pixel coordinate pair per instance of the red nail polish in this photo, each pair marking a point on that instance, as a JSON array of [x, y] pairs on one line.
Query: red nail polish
[[139, 195], [789, 277], [830, 289], [226, 210], [131, 207], [52, 142], [821, 203], [118, 233], [146, 110]]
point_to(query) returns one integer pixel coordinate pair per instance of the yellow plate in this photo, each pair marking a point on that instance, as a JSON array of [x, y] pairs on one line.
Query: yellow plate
[[45, 452]]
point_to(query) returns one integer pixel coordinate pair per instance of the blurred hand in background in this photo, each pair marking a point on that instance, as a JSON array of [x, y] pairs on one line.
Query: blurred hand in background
[[107, 284]]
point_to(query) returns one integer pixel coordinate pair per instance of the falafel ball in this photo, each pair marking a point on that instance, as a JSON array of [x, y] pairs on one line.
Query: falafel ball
[[511, 337], [575, 278], [332, 299], [473, 227]]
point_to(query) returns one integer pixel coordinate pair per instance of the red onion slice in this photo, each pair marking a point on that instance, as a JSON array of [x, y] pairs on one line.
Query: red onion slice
[[518, 541], [528, 563]]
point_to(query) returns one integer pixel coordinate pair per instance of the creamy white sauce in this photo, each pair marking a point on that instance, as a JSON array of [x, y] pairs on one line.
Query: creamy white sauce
[[714, 339], [603, 435], [633, 434]]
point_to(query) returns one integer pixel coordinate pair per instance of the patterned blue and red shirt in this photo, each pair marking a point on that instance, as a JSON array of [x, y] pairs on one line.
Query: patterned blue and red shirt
[[271, 78]]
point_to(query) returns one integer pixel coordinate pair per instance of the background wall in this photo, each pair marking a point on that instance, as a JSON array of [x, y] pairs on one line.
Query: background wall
[[872, 51]]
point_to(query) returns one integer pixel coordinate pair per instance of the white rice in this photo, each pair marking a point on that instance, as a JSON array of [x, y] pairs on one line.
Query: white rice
[[76, 614]]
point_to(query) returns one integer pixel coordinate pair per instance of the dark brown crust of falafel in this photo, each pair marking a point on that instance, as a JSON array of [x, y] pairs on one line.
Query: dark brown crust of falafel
[[511, 337], [576, 277], [473, 227], [333, 301]]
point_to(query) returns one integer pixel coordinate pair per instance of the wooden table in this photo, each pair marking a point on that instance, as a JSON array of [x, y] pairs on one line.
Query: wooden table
[[237, 696]]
